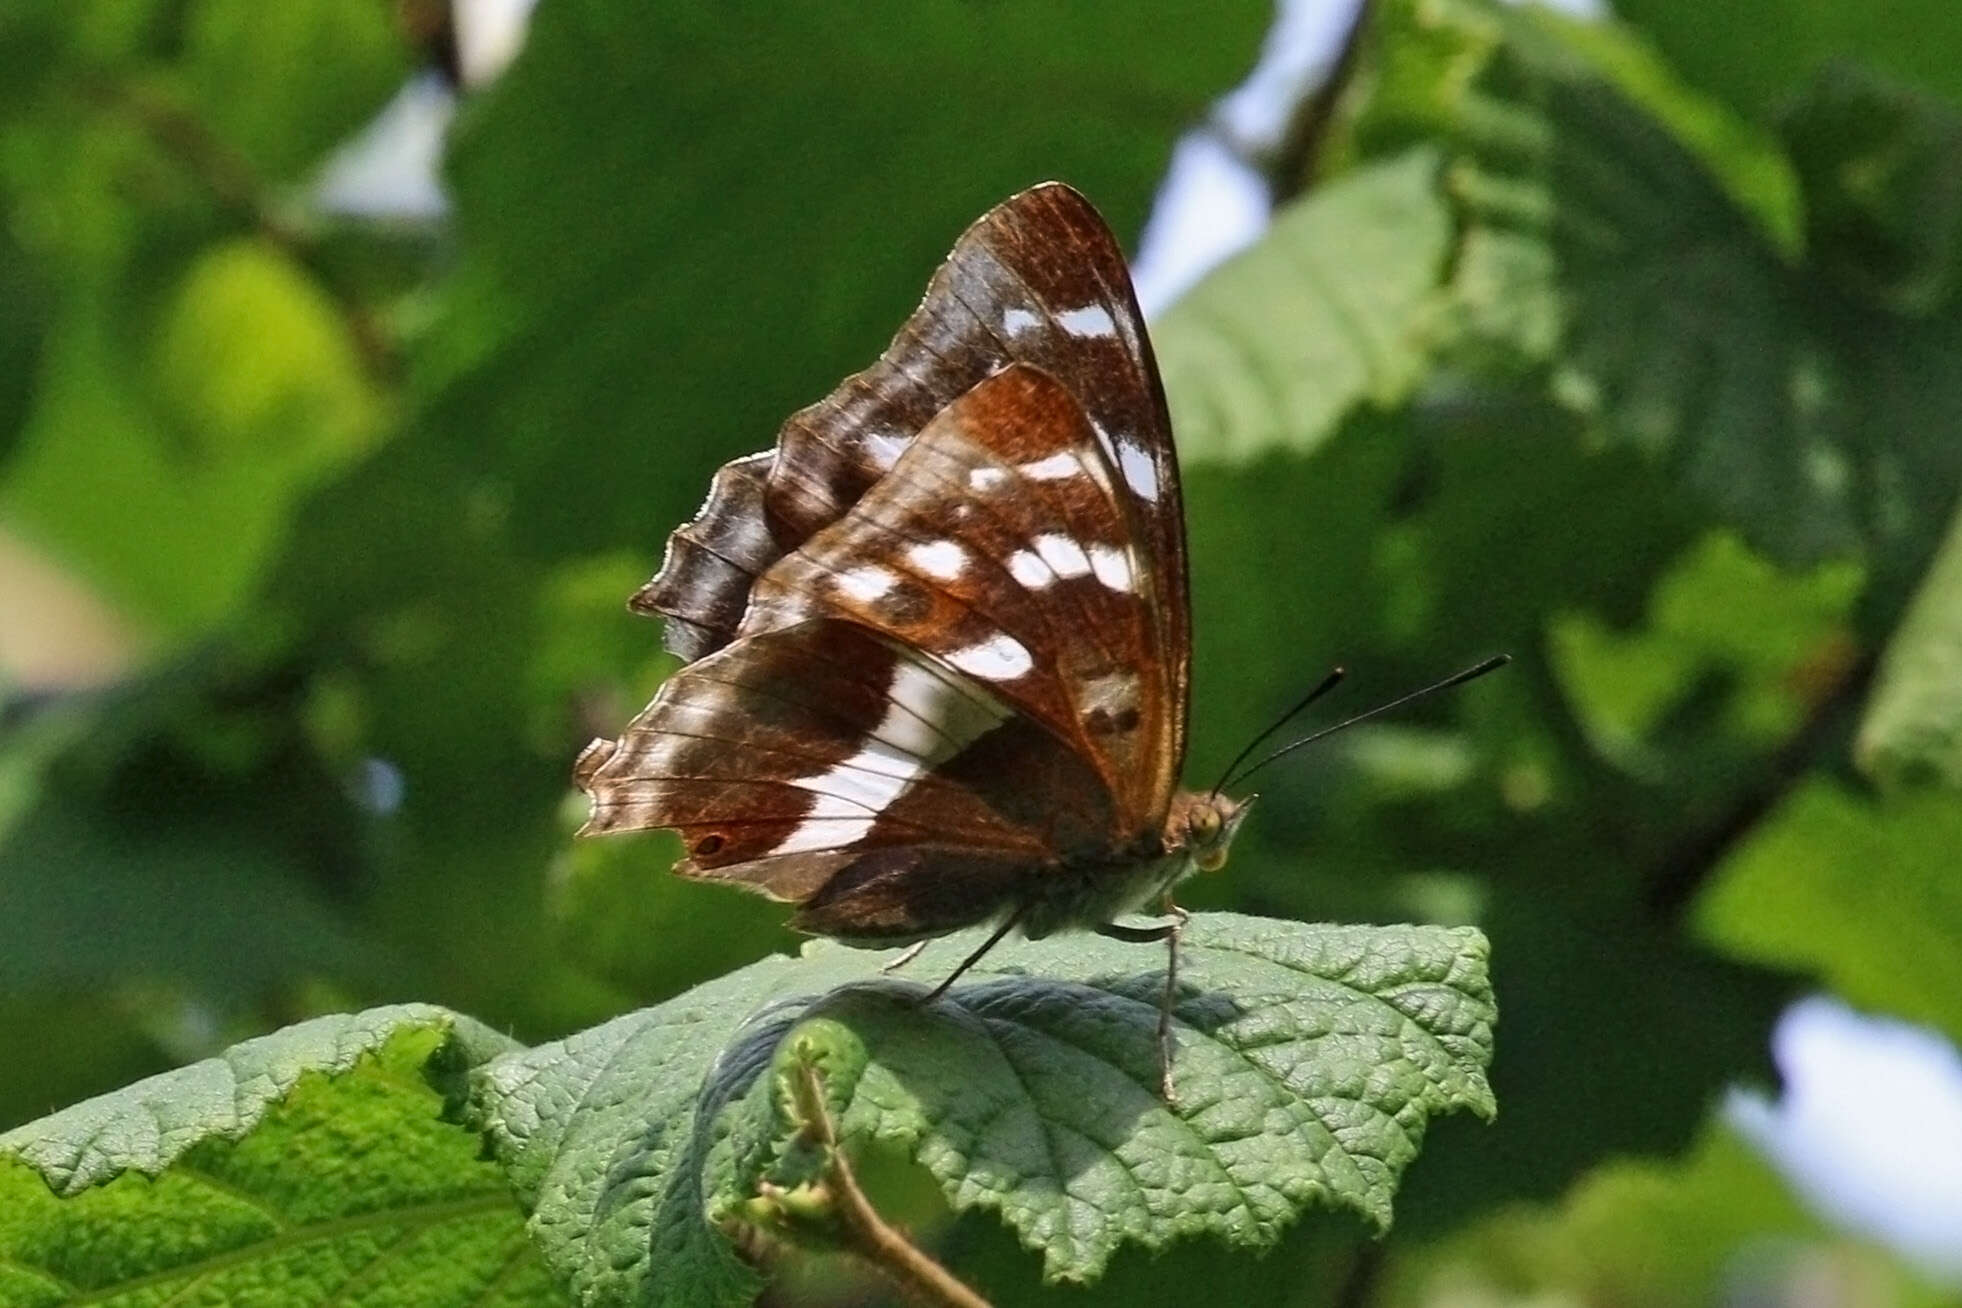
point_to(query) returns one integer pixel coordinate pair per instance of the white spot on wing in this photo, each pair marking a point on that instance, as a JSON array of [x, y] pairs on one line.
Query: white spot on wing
[[927, 721], [1091, 320], [1112, 566], [985, 479], [1140, 473], [1063, 555], [1001, 657], [867, 584], [1054, 468], [848, 798], [885, 447], [920, 698], [853, 782], [1027, 567], [938, 558], [1017, 321]]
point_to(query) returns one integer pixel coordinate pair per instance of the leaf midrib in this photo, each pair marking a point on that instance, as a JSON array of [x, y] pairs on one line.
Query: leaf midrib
[[416, 1218]]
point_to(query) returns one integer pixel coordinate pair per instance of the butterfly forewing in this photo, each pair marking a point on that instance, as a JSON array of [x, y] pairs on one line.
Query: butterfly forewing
[[1038, 280], [999, 545]]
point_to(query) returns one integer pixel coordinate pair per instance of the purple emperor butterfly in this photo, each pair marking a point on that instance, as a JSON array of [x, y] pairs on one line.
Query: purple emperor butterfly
[[938, 638]]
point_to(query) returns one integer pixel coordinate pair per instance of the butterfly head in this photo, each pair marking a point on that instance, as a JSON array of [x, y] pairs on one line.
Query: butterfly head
[[1203, 825]]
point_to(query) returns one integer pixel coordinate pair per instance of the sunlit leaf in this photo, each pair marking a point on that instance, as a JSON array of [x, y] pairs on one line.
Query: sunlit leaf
[[306, 1167], [1857, 890], [1912, 732], [1309, 1061], [1332, 307]]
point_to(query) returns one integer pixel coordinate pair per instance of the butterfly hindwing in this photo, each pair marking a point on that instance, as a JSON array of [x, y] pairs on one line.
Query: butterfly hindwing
[[711, 562], [822, 764]]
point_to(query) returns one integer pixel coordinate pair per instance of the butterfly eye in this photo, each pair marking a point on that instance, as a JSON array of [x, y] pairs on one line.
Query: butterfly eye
[[1204, 825]]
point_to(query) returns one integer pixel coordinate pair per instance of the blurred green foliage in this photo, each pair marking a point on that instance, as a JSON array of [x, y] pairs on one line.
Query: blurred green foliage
[[1633, 350]]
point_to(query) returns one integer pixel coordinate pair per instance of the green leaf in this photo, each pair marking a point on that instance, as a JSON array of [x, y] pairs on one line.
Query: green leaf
[[87, 904], [681, 222], [1310, 1059], [311, 1166], [1603, 248], [1858, 890], [336, 64], [1759, 54], [26, 305], [1912, 731], [1883, 195], [1332, 307], [248, 393], [1661, 1234]]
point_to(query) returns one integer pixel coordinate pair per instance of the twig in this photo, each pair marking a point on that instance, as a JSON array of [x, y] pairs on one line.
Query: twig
[[1358, 1288], [1291, 165], [1287, 162], [862, 1231]]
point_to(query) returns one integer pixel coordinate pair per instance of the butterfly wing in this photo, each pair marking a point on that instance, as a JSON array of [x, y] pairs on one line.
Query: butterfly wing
[[825, 765], [1038, 280], [939, 637], [999, 545]]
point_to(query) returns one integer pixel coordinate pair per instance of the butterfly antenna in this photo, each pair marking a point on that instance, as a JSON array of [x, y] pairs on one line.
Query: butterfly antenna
[[1455, 679], [1323, 687]]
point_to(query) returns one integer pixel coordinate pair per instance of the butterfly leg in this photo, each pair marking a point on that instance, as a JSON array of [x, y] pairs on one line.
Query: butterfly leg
[[1169, 932], [1008, 925], [906, 956]]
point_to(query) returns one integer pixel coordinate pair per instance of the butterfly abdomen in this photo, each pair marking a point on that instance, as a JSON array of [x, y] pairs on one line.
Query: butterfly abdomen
[[1083, 896]]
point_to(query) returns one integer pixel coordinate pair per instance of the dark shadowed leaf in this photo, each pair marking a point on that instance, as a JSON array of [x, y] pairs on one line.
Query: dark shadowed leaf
[[1602, 246], [682, 222], [1760, 54]]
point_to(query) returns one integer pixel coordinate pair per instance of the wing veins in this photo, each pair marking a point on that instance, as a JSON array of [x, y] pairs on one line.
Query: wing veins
[[1082, 607], [925, 777], [857, 727]]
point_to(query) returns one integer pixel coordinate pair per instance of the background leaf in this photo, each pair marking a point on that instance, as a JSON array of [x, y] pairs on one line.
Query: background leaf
[[752, 276], [1912, 732], [1331, 308], [1681, 1233], [1599, 246], [1758, 55], [305, 1167], [1628, 348]]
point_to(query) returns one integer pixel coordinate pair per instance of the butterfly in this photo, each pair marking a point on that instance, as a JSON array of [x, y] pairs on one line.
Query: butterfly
[[937, 641]]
